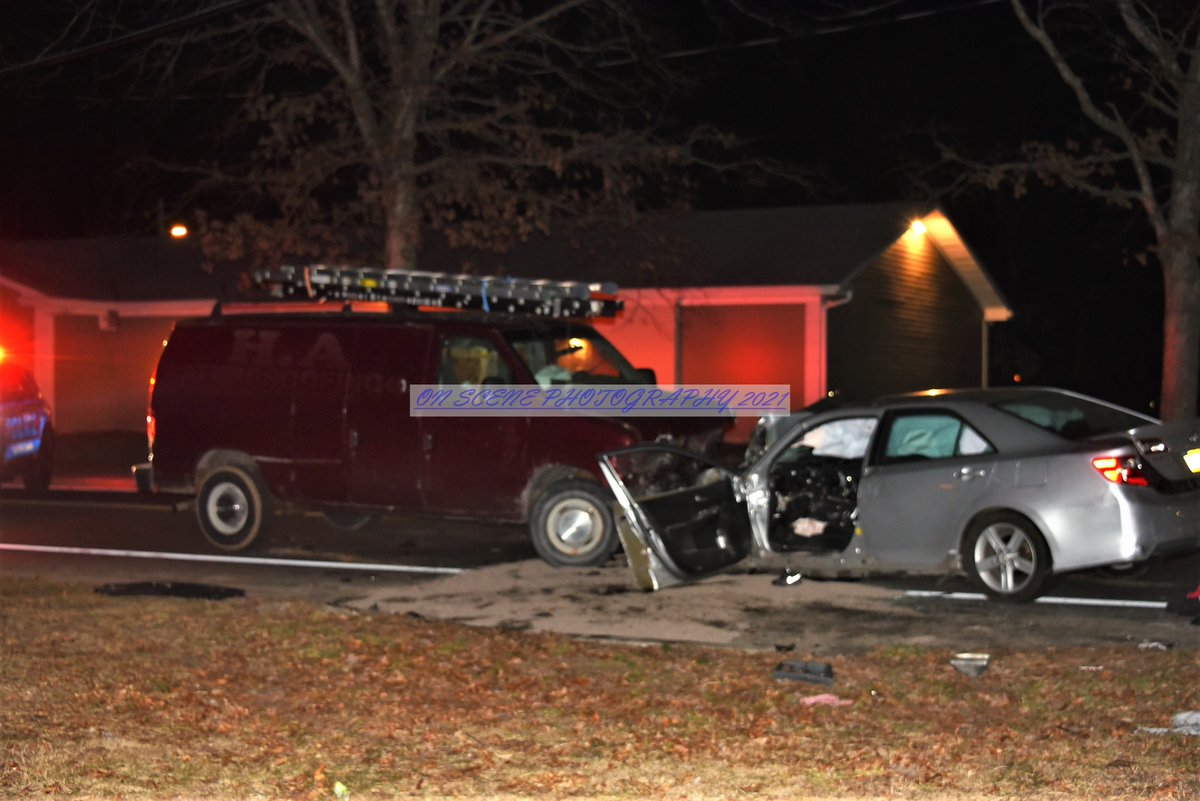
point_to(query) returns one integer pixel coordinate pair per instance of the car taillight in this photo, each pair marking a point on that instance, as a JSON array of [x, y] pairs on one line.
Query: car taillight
[[1121, 470]]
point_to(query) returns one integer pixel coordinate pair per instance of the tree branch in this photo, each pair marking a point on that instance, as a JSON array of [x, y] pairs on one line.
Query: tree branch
[[1110, 123]]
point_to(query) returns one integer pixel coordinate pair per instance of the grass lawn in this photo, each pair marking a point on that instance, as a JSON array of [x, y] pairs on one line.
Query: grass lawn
[[134, 697]]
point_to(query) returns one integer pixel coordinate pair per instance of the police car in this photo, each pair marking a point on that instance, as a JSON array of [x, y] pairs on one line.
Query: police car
[[26, 433]]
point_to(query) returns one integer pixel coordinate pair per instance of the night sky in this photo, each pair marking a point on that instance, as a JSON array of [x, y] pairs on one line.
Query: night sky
[[858, 106]]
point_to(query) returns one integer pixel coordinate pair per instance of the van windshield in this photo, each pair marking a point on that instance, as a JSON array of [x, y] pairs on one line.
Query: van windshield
[[573, 356]]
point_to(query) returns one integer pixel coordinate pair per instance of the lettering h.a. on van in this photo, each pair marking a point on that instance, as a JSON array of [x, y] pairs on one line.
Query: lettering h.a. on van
[[306, 405]]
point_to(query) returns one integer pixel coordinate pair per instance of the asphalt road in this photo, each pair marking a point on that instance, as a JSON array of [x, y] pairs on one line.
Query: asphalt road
[[487, 574], [117, 536]]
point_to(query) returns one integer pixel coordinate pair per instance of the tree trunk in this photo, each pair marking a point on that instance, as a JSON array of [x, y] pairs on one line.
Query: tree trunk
[[1181, 333], [1178, 246], [401, 227]]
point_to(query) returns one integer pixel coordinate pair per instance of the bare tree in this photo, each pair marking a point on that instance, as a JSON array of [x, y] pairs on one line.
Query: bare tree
[[1142, 101], [484, 119]]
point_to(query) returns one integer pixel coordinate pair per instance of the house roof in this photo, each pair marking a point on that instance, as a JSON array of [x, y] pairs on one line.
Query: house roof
[[819, 246], [802, 245], [113, 269]]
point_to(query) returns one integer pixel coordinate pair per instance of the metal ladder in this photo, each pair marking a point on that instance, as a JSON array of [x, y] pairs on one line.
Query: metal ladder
[[489, 294]]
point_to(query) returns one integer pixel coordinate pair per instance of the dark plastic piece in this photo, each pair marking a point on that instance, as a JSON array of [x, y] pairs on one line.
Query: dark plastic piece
[[174, 589], [813, 672]]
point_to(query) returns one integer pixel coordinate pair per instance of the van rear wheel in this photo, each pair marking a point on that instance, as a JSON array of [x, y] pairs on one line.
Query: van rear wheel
[[572, 524], [233, 508]]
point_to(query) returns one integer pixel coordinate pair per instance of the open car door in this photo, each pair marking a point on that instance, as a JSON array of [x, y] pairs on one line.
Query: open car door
[[680, 517]]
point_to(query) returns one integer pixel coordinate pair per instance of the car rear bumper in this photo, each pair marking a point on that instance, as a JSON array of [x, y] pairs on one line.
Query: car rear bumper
[[1128, 524], [1163, 525]]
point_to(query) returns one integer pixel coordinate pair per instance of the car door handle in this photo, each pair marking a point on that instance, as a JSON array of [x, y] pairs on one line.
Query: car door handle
[[969, 473]]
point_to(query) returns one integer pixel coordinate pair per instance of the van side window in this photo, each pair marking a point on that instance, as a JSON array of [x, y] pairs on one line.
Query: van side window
[[471, 360]]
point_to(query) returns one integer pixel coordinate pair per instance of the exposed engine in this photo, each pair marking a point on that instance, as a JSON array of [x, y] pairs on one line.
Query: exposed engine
[[813, 503]]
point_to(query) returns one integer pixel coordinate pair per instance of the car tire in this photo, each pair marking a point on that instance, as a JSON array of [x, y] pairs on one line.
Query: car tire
[[233, 508], [571, 524], [37, 475], [1007, 557]]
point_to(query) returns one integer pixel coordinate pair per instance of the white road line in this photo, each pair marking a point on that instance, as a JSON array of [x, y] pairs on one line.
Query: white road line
[[229, 560], [1048, 599]]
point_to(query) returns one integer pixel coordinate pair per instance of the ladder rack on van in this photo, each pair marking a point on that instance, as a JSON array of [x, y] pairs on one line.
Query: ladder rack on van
[[442, 291]]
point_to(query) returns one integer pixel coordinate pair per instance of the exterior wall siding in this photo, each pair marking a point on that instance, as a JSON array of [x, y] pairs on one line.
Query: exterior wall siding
[[745, 345], [911, 324], [103, 377]]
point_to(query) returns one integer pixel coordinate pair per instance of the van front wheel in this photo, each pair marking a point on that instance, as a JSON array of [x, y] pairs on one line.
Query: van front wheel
[[233, 508], [572, 524]]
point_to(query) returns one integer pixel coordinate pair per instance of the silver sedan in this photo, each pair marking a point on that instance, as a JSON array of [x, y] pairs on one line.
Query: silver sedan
[[1009, 486]]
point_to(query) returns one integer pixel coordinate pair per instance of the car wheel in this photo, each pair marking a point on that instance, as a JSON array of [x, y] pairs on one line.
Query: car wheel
[[1007, 557], [347, 520], [233, 508], [572, 524], [37, 474]]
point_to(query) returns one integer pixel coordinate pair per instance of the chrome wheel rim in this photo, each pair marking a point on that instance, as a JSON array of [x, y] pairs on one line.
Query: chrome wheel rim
[[574, 526], [227, 508], [1005, 558]]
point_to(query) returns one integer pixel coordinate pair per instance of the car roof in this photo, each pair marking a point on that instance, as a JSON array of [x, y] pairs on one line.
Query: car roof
[[989, 395]]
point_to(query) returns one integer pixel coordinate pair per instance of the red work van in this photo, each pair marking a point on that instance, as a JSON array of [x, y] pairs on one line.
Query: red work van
[[312, 410]]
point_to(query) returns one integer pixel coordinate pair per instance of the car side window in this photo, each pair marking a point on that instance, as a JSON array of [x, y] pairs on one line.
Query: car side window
[[930, 435], [471, 360], [845, 438]]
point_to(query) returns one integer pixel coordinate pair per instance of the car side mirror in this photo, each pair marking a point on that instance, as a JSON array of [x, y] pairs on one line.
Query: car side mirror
[[646, 375]]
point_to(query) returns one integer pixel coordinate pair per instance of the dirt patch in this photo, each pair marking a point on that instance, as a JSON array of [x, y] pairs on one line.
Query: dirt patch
[[749, 611]]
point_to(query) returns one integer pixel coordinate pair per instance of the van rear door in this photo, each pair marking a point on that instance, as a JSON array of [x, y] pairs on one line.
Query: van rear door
[[316, 356], [383, 441]]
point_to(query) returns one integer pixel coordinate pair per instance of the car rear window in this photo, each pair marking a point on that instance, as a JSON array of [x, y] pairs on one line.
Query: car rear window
[[1070, 416]]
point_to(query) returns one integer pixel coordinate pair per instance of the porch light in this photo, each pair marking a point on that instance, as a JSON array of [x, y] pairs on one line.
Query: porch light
[[916, 228], [179, 231]]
